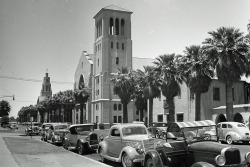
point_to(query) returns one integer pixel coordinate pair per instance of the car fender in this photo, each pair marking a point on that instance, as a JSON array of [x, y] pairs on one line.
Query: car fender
[[103, 144], [170, 135], [202, 164], [130, 151], [153, 154], [234, 135]]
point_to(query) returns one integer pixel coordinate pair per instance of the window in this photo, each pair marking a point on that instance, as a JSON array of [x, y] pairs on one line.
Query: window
[[167, 117], [98, 62], [160, 118], [117, 60], [97, 119], [137, 112], [115, 119], [115, 107], [119, 119], [119, 107], [117, 45], [116, 26], [97, 92], [224, 125], [179, 94], [216, 94], [97, 80], [122, 26], [122, 46], [111, 45], [111, 26], [191, 96], [97, 107], [229, 126], [179, 117]]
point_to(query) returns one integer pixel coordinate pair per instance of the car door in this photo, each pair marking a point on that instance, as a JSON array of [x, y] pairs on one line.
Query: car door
[[73, 137], [114, 143]]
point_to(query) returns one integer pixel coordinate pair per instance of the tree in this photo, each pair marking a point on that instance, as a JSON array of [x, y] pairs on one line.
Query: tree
[[4, 108], [151, 89], [197, 72], [124, 87], [171, 80], [139, 97], [81, 97], [227, 52]]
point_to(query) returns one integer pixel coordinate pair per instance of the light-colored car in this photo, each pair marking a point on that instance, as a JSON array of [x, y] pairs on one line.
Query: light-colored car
[[126, 143], [32, 128], [44, 129], [56, 132], [233, 132], [13, 125], [81, 137]]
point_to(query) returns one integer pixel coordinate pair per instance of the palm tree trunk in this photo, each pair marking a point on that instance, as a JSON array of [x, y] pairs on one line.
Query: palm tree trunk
[[197, 106], [171, 109], [81, 115], [125, 113], [141, 115], [150, 112], [229, 102]]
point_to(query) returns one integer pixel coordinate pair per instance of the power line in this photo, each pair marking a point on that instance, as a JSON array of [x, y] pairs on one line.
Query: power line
[[33, 80]]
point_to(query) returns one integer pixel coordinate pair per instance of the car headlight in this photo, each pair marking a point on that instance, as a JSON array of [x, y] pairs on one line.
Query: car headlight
[[220, 160], [247, 157], [137, 146]]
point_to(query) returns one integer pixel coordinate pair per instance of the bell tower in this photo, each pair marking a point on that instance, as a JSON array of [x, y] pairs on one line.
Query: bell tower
[[112, 51], [46, 86]]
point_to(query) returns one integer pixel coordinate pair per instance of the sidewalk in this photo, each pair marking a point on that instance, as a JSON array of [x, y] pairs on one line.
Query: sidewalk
[[6, 158]]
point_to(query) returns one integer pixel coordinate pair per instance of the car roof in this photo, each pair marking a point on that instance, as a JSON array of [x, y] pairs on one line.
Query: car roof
[[127, 125], [234, 123], [76, 125], [193, 124]]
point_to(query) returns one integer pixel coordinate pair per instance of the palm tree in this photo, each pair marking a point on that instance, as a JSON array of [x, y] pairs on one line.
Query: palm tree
[[82, 95], [171, 80], [140, 99], [68, 103], [124, 87], [198, 73], [227, 52], [151, 89]]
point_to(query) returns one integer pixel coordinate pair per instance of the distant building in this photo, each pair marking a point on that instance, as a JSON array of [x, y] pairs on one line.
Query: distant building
[[46, 92]]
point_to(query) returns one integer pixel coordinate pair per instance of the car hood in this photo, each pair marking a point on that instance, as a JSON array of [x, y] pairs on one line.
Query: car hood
[[61, 130], [207, 146], [136, 137]]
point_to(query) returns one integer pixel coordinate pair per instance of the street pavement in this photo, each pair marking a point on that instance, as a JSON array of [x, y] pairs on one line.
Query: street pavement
[[18, 150]]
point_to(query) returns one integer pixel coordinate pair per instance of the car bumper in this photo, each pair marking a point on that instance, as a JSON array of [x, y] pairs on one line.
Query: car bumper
[[238, 165], [139, 158], [93, 147]]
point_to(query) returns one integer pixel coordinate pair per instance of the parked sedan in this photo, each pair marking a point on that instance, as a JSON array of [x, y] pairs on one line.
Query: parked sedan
[[56, 132], [44, 129], [126, 143], [81, 137], [233, 132], [32, 128], [198, 147]]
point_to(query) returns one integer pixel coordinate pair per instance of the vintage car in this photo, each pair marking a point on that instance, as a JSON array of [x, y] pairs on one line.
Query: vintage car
[[32, 128], [199, 147], [43, 130], [13, 125], [81, 137], [56, 132], [126, 143], [233, 132]]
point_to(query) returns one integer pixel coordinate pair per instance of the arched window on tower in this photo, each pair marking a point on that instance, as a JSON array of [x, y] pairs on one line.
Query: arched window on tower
[[111, 26], [115, 107], [122, 26], [117, 60], [116, 26]]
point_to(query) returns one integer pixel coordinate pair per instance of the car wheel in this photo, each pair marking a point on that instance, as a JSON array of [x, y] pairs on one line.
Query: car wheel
[[101, 155], [80, 148], [126, 161], [158, 135], [53, 141], [45, 139], [229, 139], [149, 163]]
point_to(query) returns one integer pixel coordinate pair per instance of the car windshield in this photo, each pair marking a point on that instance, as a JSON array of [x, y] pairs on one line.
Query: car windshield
[[84, 129], [192, 134], [134, 130], [57, 127]]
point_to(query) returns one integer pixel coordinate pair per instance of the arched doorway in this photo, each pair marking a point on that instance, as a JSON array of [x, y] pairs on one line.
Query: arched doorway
[[220, 118], [238, 118]]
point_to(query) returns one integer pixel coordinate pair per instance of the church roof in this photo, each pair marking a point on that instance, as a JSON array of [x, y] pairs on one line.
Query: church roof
[[113, 7]]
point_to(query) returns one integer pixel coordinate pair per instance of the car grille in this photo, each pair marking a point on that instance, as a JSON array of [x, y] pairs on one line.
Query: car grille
[[93, 139], [232, 156], [148, 144]]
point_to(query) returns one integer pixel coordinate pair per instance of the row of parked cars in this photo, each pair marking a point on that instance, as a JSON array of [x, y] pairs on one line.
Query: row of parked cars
[[191, 144]]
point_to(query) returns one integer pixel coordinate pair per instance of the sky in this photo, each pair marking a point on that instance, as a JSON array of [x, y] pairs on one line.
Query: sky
[[40, 35]]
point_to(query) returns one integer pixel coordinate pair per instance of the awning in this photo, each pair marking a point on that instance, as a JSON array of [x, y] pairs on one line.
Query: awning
[[234, 106], [194, 124]]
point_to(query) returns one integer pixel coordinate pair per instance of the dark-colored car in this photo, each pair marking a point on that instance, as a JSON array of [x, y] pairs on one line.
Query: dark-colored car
[[81, 137], [44, 129], [198, 147], [32, 128], [159, 130], [56, 132]]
